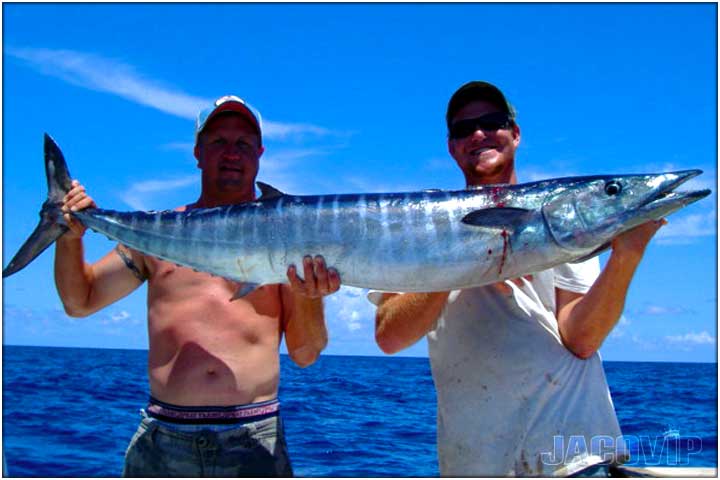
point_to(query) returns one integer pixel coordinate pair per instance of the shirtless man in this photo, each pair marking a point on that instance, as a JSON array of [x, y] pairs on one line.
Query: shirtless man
[[213, 364]]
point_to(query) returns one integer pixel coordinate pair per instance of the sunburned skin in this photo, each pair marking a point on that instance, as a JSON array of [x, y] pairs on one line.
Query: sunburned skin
[[206, 349]]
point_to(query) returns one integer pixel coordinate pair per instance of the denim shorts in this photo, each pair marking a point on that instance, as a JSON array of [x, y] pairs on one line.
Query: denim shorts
[[249, 449]]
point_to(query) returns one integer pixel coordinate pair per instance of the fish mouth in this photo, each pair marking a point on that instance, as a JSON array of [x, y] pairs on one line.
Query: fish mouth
[[576, 225], [667, 200]]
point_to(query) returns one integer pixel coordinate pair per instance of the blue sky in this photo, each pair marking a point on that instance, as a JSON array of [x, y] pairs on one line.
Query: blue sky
[[353, 97]]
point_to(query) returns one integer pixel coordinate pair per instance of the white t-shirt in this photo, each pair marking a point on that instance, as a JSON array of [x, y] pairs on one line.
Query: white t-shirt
[[512, 399]]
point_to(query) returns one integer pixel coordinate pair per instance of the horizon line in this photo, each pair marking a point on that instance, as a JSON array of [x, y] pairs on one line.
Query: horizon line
[[344, 355]]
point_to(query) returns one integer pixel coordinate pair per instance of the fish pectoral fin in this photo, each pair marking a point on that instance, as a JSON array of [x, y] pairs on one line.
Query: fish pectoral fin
[[592, 254], [501, 218], [245, 289], [268, 192]]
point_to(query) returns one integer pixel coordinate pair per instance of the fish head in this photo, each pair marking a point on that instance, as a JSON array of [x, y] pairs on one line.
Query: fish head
[[584, 213]]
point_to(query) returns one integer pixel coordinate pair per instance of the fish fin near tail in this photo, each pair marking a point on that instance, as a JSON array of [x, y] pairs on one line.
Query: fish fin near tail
[[43, 236], [49, 229], [58, 177]]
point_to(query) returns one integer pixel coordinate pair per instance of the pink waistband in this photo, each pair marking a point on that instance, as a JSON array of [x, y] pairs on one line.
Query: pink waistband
[[240, 413]]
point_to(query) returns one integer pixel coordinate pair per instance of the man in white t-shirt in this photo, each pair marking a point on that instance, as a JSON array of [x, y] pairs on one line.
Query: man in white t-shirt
[[520, 385]]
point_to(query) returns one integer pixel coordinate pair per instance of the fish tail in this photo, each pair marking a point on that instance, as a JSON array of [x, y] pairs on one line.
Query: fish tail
[[49, 229]]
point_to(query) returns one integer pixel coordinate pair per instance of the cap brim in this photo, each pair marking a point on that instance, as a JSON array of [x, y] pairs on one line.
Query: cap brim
[[474, 91]]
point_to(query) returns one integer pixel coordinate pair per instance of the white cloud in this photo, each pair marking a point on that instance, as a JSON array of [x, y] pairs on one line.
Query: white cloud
[[278, 169], [354, 322], [150, 186], [120, 316], [185, 147], [107, 75], [137, 196], [659, 310], [656, 310], [692, 338], [112, 76], [279, 130], [348, 311], [620, 328], [279, 160], [111, 318], [682, 230]]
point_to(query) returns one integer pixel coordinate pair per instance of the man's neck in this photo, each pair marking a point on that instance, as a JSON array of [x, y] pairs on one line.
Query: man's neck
[[479, 181]]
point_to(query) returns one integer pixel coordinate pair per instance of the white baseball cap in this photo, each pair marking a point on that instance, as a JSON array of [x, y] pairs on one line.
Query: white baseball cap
[[228, 103]]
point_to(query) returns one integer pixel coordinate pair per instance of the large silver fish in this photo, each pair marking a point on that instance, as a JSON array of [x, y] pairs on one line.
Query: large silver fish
[[430, 240]]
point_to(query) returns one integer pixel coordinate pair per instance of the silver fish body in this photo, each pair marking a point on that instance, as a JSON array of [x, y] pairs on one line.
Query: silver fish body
[[410, 242], [417, 241]]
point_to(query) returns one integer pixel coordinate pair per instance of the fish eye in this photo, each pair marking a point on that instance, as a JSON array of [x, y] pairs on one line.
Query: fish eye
[[613, 188]]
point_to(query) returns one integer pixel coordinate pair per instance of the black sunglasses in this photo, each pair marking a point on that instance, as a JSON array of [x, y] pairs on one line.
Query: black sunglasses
[[489, 122]]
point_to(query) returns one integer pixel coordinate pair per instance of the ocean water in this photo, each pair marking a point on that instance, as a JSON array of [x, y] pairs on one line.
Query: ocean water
[[70, 412]]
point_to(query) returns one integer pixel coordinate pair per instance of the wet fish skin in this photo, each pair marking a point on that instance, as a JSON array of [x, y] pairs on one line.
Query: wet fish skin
[[432, 240]]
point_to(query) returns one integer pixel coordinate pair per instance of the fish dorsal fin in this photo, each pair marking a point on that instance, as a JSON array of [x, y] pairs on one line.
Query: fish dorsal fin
[[268, 191], [501, 218]]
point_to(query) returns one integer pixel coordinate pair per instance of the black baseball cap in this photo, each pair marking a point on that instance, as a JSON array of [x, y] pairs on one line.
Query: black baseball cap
[[477, 90]]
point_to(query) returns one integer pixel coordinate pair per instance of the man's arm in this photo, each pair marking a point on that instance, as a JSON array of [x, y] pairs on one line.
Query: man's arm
[[303, 317], [86, 288], [403, 319], [585, 320]]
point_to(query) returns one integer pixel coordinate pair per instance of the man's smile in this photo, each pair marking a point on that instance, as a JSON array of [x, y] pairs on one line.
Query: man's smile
[[477, 151], [231, 168]]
